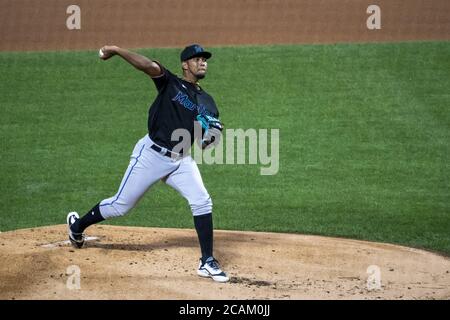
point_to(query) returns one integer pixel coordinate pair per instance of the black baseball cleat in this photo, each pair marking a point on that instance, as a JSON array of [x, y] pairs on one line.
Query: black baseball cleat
[[76, 239]]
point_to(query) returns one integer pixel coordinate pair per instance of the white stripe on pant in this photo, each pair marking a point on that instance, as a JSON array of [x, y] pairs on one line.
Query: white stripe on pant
[[147, 167]]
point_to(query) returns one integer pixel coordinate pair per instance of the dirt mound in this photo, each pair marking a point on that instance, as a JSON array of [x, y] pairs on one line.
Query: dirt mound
[[156, 263]]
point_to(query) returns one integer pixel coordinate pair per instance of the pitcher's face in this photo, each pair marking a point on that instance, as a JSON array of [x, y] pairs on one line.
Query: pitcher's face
[[197, 66]]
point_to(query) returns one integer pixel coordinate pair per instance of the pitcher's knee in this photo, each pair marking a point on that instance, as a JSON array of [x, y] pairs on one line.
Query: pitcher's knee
[[203, 206], [114, 209]]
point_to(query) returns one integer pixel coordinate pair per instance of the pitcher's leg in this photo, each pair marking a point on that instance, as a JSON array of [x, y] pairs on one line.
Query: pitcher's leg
[[135, 182], [144, 169], [188, 182]]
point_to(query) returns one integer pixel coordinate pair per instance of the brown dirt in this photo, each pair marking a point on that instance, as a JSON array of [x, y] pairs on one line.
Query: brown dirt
[[156, 263], [41, 25]]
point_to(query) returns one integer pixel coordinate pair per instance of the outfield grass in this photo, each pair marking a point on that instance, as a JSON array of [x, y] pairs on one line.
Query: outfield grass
[[364, 139]]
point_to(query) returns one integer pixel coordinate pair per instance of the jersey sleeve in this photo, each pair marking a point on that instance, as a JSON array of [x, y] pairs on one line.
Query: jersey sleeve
[[161, 80]]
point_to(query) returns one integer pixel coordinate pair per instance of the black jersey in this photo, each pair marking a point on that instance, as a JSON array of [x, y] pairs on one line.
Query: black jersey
[[177, 105]]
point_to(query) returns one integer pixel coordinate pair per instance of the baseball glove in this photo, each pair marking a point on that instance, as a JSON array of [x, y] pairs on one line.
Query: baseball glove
[[212, 128]]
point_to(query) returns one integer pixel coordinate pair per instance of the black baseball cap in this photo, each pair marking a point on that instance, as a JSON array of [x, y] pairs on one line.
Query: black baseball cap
[[192, 51]]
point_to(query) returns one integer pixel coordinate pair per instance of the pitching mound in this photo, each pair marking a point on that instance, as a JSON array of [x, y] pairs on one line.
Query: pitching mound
[[154, 263]]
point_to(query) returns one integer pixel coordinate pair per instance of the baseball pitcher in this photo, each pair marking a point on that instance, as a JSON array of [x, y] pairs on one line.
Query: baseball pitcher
[[180, 103]]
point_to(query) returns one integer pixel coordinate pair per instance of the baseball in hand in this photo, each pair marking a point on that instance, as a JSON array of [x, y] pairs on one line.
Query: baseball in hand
[[101, 54]]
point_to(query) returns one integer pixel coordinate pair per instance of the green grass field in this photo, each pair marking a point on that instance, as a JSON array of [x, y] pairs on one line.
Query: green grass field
[[364, 139]]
